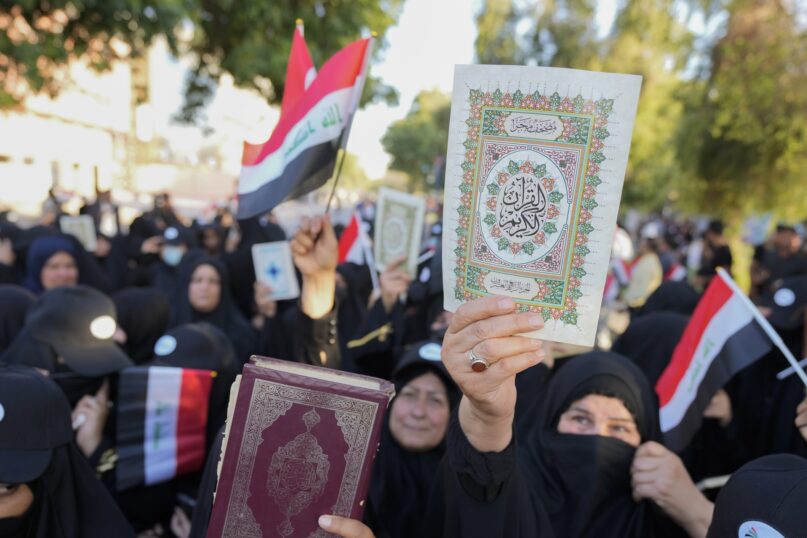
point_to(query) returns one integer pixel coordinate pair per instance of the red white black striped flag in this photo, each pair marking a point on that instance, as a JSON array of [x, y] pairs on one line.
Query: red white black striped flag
[[161, 423], [724, 335], [301, 153]]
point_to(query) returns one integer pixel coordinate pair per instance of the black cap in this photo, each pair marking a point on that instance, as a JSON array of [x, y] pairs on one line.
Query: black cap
[[79, 322], [419, 358], [34, 419], [195, 345], [787, 300], [766, 495]]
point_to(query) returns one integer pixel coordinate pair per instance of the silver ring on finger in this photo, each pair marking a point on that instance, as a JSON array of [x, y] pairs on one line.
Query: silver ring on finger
[[478, 364]]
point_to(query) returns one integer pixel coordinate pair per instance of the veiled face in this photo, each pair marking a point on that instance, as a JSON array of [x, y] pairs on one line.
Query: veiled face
[[14, 500], [204, 291], [595, 414], [419, 414], [59, 270]]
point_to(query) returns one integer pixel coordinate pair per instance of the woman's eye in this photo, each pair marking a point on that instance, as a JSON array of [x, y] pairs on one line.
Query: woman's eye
[[580, 419]]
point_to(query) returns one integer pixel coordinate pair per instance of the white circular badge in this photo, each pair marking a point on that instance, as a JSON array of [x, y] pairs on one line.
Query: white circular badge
[[171, 233], [165, 345], [430, 352], [2, 412], [758, 529], [784, 297], [103, 327]]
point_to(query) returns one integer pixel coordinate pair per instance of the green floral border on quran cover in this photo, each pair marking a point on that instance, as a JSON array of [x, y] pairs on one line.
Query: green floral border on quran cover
[[530, 178]]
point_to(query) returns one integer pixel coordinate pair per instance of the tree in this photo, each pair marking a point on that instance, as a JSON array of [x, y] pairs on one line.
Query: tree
[[248, 39], [417, 140], [743, 138], [251, 40], [645, 39], [39, 38]]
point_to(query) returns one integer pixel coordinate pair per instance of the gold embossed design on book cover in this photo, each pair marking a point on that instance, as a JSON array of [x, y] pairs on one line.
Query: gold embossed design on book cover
[[268, 402]]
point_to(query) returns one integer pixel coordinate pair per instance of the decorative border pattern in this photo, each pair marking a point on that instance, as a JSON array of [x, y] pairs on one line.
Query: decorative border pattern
[[584, 123], [268, 402]]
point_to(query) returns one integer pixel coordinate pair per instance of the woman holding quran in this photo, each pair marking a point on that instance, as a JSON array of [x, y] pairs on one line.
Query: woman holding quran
[[584, 463]]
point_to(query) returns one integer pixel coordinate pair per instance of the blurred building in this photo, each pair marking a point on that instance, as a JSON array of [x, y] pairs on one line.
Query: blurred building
[[115, 131]]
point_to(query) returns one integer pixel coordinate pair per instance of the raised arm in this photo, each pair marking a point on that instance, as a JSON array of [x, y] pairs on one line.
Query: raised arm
[[489, 328]]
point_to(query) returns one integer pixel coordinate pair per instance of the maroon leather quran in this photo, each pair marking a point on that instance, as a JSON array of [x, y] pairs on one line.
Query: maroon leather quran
[[300, 442]]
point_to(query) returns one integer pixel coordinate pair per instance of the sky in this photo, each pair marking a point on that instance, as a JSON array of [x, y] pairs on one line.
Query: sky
[[430, 38]]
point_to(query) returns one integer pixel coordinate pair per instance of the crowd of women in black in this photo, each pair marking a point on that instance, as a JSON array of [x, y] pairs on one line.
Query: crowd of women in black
[[539, 444]]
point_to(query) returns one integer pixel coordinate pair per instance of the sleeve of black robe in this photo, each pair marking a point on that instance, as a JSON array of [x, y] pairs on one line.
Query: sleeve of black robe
[[481, 494], [204, 503], [316, 341], [376, 344]]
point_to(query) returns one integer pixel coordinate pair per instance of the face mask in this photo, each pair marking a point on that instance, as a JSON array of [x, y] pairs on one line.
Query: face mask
[[172, 255]]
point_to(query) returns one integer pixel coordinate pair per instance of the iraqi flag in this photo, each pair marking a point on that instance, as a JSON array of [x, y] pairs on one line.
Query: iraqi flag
[[724, 335], [300, 155], [300, 70], [351, 248], [161, 423], [676, 273]]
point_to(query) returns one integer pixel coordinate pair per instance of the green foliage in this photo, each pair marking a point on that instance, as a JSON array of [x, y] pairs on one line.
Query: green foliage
[[417, 140], [724, 136], [353, 176], [250, 40], [47, 34], [555, 197], [743, 136]]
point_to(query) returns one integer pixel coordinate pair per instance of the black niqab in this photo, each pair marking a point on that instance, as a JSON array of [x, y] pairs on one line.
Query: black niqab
[[583, 481]]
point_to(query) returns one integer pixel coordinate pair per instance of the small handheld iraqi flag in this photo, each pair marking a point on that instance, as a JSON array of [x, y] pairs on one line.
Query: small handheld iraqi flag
[[725, 334], [354, 247], [300, 155], [161, 422]]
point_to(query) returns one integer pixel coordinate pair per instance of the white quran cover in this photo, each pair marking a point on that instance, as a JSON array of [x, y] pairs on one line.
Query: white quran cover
[[535, 165]]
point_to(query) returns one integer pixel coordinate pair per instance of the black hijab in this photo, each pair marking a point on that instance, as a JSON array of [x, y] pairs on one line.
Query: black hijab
[[69, 501], [767, 493], [650, 340], [402, 479], [144, 315], [582, 482], [671, 296], [15, 301], [253, 231], [225, 316]]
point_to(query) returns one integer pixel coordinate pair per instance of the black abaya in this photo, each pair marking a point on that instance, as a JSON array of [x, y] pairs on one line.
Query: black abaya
[[550, 484]]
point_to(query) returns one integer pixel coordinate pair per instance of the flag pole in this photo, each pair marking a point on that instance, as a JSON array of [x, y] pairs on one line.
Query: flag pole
[[766, 326], [344, 137]]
